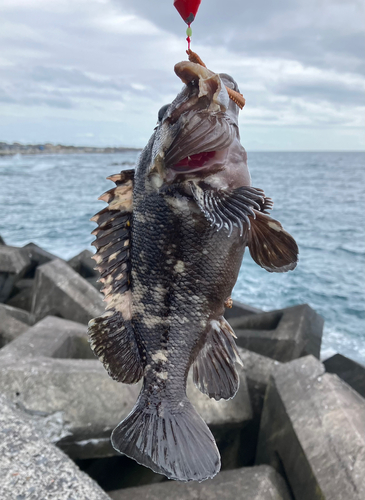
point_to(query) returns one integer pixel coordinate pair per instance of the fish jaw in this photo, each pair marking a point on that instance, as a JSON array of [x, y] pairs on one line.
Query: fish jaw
[[201, 120]]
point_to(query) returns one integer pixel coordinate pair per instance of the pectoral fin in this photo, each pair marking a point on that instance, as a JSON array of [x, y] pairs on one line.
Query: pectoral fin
[[111, 335], [271, 247], [229, 208]]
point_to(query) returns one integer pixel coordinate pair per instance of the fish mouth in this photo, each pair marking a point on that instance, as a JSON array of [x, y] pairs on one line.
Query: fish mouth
[[198, 127]]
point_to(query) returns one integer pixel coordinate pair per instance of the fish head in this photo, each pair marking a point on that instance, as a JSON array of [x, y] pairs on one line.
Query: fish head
[[197, 135]]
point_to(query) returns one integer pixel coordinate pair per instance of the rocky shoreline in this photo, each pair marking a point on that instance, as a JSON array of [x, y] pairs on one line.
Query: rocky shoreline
[[295, 430], [47, 149]]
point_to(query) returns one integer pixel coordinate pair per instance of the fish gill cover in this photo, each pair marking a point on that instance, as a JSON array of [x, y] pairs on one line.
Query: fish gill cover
[[169, 246]]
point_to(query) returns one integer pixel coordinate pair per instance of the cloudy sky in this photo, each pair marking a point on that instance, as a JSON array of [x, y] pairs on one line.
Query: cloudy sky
[[95, 72]]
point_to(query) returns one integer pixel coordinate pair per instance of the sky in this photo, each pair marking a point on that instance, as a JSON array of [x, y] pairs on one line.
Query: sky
[[96, 72]]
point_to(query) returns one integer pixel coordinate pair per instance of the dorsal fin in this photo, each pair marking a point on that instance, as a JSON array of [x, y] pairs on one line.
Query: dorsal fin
[[112, 337]]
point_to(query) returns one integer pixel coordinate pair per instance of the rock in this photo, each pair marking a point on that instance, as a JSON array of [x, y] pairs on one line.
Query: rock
[[13, 322], [313, 428], [60, 291], [73, 401], [32, 468], [54, 338], [107, 472], [83, 264], [253, 483], [348, 370], [257, 369], [22, 299], [95, 283], [37, 256], [283, 335], [239, 309], [13, 265]]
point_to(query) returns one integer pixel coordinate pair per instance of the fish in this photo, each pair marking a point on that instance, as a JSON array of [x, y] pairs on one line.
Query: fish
[[169, 246]]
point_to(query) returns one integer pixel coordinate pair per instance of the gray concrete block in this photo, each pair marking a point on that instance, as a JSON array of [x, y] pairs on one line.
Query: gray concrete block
[[283, 335], [83, 264], [22, 299], [239, 309], [95, 283], [32, 468], [257, 369], [13, 260], [313, 428], [13, 322], [254, 483], [74, 402], [37, 256], [14, 263], [348, 370], [54, 338], [60, 291]]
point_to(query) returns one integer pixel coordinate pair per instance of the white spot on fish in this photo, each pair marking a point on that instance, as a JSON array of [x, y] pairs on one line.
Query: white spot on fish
[[156, 181], [178, 203], [159, 356], [274, 226], [113, 256], [162, 375], [179, 266], [121, 302], [139, 217]]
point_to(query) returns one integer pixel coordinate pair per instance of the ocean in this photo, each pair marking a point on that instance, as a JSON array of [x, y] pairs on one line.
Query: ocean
[[318, 197]]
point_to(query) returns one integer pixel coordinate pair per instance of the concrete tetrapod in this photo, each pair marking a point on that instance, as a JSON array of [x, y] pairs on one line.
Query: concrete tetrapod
[[283, 335], [313, 430], [253, 483], [61, 291], [32, 468]]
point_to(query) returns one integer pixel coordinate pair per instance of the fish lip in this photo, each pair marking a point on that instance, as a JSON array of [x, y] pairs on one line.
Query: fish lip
[[209, 84]]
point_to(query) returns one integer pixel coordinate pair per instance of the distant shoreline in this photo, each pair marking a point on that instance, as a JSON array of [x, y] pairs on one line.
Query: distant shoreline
[[41, 149]]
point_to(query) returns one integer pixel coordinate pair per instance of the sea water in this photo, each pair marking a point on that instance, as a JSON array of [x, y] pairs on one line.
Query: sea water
[[318, 197]]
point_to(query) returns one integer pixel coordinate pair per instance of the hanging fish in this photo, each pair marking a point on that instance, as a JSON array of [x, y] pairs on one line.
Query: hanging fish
[[169, 248]]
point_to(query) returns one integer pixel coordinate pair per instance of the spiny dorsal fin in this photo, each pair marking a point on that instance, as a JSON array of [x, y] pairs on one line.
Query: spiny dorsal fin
[[271, 247], [214, 370], [112, 337]]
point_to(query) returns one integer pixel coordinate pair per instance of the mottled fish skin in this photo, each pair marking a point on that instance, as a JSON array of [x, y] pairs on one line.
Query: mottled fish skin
[[182, 272], [169, 253]]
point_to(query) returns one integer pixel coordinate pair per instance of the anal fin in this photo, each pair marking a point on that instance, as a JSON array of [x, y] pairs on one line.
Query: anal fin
[[214, 370]]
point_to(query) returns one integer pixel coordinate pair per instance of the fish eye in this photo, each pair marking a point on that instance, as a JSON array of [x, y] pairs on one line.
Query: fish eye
[[162, 112]]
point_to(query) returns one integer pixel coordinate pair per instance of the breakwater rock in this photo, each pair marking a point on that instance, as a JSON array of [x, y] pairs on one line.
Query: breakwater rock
[[39, 149], [295, 430]]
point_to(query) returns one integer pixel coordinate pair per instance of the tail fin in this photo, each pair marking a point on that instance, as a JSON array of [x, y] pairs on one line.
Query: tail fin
[[175, 441]]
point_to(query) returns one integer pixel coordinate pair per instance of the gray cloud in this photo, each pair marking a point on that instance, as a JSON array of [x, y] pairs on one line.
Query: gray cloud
[[104, 67]]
